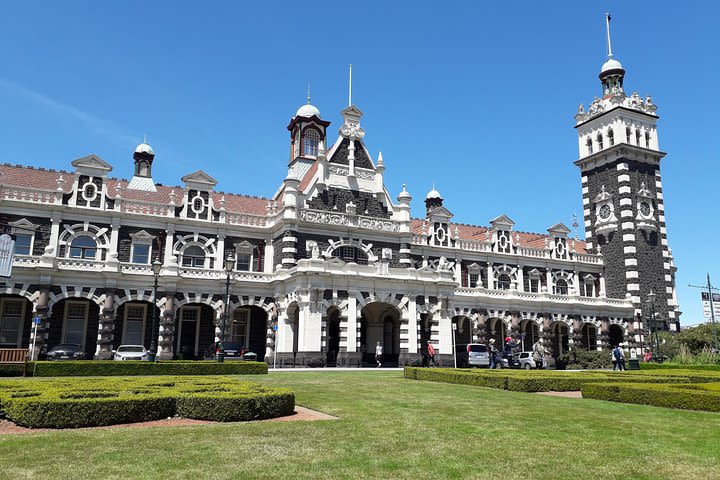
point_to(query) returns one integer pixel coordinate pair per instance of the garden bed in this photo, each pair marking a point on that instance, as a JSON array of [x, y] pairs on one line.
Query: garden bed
[[73, 403]]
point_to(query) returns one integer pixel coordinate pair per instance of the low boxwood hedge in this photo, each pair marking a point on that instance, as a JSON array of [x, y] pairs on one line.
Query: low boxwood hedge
[[110, 368], [547, 380], [677, 366], [16, 369], [703, 396], [85, 402]]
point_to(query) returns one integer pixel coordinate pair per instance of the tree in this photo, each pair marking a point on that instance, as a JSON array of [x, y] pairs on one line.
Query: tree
[[699, 337]]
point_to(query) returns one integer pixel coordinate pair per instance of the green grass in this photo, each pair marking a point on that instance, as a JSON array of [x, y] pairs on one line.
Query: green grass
[[393, 428]]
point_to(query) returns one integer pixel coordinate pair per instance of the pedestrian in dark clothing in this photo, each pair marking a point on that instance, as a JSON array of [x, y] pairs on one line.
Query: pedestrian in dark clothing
[[431, 354]]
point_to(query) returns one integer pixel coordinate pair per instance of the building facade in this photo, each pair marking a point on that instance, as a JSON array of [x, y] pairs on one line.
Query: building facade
[[332, 264]]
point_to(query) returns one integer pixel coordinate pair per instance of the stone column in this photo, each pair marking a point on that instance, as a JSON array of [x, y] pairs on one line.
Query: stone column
[[106, 327], [166, 331], [169, 242], [490, 282], [41, 310]]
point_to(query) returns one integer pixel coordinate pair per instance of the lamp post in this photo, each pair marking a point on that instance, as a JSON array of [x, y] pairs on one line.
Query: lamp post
[[653, 324], [156, 267], [229, 267]]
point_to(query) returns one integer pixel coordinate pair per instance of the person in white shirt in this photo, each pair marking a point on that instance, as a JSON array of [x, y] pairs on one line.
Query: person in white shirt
[[378, 354]]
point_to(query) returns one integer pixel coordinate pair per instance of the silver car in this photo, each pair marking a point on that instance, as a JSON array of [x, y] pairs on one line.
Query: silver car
[[131, 352], [526, 360]]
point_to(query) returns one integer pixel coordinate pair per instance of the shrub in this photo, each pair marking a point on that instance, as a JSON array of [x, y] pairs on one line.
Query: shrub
[[678, 366], [81, 402], [110, 368], [15, 369], [581, 359], [688, 396]]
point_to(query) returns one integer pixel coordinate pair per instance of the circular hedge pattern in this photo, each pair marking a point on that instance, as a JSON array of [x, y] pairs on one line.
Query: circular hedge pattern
[[86, 402]]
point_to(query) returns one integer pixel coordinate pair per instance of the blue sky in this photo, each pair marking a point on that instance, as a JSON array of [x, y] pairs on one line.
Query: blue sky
[[477, 96]]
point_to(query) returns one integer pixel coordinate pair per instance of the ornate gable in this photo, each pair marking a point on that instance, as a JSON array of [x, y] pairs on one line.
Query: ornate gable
[[92, 165], [199, 180]]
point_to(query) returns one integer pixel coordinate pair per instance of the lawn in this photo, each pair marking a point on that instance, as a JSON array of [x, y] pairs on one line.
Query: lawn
[[393, 428]]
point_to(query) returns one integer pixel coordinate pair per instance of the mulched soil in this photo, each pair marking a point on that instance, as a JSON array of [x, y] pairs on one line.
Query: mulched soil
[[301, 414]]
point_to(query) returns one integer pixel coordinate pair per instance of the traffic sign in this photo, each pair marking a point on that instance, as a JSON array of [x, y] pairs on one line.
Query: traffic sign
[[37, 320], [275, 327]]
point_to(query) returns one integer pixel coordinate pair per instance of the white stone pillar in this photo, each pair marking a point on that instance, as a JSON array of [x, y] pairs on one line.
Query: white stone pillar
[[220, 251], [412, 326], [352, 316], [444, 332], [548, 280], [576, 281], [269, 256], [520, 279], [169, 242], [491, 283]]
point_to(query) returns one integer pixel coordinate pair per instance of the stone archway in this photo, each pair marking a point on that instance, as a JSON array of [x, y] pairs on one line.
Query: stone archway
[[529, 334], [247, 327], [560, 339], [497, 330], [615, 335], [332, 336], [464, 331], [380, 323], [588, 337]]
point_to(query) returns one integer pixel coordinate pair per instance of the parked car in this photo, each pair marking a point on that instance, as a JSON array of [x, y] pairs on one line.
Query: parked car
[[472, 355], [233, 351], [66, 351], [525, 360], [131, 352]]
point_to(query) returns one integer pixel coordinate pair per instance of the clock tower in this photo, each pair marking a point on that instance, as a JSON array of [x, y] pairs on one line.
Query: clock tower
[[623, 202]]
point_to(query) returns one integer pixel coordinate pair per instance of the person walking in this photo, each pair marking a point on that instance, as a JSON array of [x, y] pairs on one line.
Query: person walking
[[508, 349], [621, 358], [538, 354], [431, 354], [493, 353], [378, 354], [618, 358]]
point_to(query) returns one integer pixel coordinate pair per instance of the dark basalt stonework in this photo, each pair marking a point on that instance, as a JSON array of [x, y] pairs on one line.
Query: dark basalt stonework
[[649, 250], [42, 232], [336, 199], [361, 158], [125, 241]]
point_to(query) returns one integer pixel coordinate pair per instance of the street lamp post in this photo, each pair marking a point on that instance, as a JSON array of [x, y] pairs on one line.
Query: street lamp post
[[229, 267], [654, 324], [156, 267]]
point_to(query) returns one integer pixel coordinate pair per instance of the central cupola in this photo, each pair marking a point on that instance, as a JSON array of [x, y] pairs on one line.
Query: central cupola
[[307, 132]]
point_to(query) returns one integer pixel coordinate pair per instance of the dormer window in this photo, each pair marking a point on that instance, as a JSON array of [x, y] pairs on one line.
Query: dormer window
[[311, 142], [83, 247]]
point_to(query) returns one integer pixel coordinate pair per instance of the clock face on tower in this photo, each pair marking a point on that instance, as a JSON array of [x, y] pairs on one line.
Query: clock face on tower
[[645, 209], [605, 212]]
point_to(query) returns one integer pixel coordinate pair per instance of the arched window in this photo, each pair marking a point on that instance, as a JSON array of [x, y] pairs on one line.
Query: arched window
[[193, 256], [611, 137], [311, 141], [647, 139], [561, 287], [637, 137], [143, 169], [600, 141], [589, 146], [503, 282], [83, 247], [588, 339], [628, 134], [350, 254]]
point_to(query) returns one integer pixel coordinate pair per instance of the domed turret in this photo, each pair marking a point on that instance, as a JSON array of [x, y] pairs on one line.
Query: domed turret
[[143, 157], [433, 199], [308, 110], [307, 132], [611, 73], [144, 148]]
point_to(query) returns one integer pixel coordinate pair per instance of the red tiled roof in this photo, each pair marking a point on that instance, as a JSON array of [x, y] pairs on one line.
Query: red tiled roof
[[40, 178], [475, 232], [22, 176]]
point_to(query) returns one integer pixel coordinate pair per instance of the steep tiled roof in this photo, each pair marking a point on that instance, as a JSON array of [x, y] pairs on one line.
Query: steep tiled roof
[[478, 233], [38, 178]]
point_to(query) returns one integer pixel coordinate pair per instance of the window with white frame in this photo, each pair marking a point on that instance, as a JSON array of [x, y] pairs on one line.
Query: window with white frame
[[240, 327], [588, 286], [193, 256], [134, 324], [75, 323], [243, 256], [473, 279], [561, 287], [348, 253], [12, 313], [141, 254], [311, 142], [83, 247], [23, 244], [534, 281], [141, 247], [503, 282]]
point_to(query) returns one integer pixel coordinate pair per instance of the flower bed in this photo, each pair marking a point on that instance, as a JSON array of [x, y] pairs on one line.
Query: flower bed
[[71, 403]]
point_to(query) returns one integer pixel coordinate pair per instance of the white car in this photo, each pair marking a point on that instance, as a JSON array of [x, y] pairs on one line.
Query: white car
[[131, 352], [526, 361]]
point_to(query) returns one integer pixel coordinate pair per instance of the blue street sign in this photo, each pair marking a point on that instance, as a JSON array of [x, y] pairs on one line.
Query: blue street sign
[[522, 336], [37, 320], [275, 328]]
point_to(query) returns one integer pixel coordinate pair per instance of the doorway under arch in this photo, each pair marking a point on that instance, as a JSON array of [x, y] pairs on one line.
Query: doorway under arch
[[529, 334], [332, 337], [561, 339], [588, 337], [380, 323], [615, 335]]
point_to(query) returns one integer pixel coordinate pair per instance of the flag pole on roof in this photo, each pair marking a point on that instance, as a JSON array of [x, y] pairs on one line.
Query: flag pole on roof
[[609, 45]]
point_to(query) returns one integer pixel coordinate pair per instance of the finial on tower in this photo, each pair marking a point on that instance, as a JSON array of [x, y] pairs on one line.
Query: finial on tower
[[145, 138], [609, 45], [350, 87], [308, 97]]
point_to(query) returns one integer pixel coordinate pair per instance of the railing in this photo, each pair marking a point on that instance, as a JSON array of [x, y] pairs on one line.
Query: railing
[[245, 219], [136, 268], [80, 264], [25, 261], [26, 194], [147, 208], [193, 272], [541, 296]]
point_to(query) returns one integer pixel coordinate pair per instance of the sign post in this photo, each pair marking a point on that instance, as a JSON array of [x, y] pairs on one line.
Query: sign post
[[275, 329], [454, 327], [36, 322]]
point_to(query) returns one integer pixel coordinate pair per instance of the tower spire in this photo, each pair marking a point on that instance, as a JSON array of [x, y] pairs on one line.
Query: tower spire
[[308, 97], [350, 87], [607, 24]]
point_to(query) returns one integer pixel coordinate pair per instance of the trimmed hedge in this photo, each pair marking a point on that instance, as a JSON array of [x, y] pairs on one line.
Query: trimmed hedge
[[546, 380], [112, 368], [704, 397], [677, 366], [15, 369], [72, 403]]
